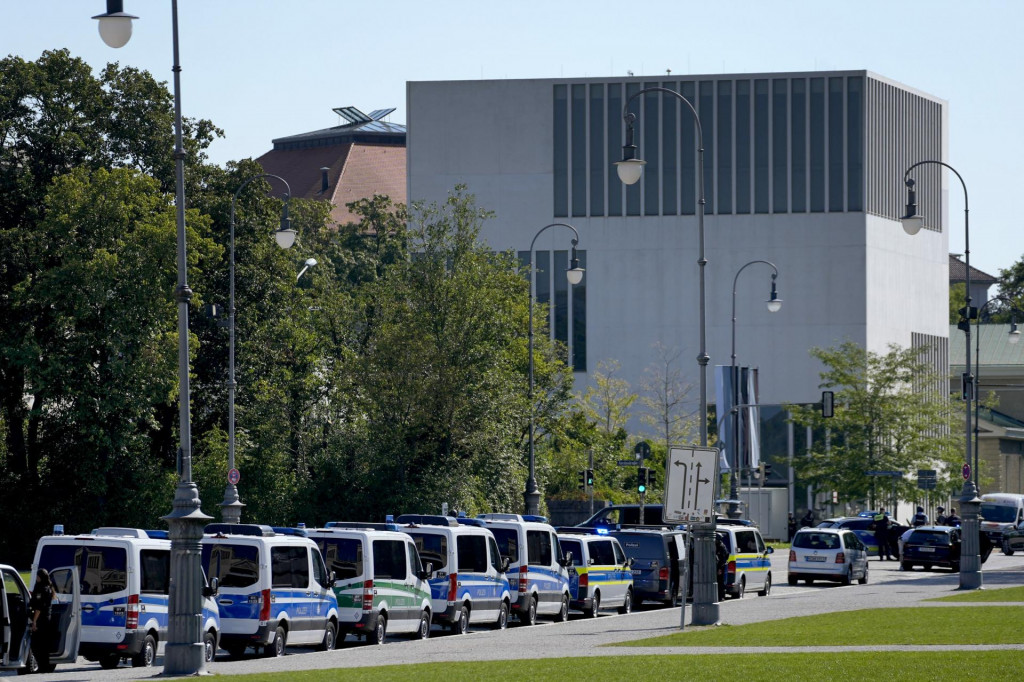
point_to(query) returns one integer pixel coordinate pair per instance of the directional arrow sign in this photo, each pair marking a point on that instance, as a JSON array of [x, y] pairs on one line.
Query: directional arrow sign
[[690, 475]]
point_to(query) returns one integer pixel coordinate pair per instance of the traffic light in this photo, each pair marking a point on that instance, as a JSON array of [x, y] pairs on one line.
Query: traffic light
[[641, 479], [590, 478], [767, 470], [583, 478]]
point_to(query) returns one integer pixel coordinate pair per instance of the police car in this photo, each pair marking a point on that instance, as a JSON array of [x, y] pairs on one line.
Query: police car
[[65, 615], [469, 573], [538, 571], [380, 581], [274, 589], [748, 565], [600, 575], [124, 581]]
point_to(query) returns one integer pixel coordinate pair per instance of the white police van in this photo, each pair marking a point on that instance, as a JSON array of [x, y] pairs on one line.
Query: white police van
[[469, 579], [538, 573], [380, 582], [600, 576], [124, 580], [273, 589], [15, 636]]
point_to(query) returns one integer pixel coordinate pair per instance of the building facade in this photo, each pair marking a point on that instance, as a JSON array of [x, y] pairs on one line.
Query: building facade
[[804, 170]]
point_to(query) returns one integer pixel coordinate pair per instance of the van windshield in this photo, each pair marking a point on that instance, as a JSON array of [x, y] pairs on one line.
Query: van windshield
[[232, 565], [103, 570], [998, 513]]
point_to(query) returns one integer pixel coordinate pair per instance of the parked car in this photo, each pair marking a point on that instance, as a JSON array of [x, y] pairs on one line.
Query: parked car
[[658, 563], [600, 574], [620, 515], [827, 554], [748, 565], [929, 546], [1013, 540]]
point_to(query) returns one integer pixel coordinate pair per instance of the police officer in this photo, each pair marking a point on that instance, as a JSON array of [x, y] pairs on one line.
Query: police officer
[[920, 519], [952, 519], [940, 516], [880, 524]]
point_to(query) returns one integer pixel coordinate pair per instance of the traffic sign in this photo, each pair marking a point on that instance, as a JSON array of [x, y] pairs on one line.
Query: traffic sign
[[891, 474], [629, 462], [927, 479], [967, 472], [234, 476], [690, 475]]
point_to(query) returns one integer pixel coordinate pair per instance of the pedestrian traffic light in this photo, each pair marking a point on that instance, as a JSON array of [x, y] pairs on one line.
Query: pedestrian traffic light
[[583, 478], [590, 478], [641, 479], [767, 469]]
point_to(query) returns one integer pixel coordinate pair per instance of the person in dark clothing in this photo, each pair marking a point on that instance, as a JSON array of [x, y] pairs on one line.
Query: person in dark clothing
[[920, 518], [952, 519], [721, 561], [42, 632], [792, 526], [880, 524], [940, 516], [808, 520]]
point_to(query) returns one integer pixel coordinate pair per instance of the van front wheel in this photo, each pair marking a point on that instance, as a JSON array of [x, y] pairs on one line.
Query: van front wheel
[[145, 658], [423, 631], [209, 646], [627, 605], [563, 613], [502, 617], [330, 637]]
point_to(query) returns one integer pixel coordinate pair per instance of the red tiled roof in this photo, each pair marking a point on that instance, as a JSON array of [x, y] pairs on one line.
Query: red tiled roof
[[356, 171], [958, 272]]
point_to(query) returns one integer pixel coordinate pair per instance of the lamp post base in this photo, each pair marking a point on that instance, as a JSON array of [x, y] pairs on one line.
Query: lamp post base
[[970, 546], [184, 654], [231, 507], [705, 585]]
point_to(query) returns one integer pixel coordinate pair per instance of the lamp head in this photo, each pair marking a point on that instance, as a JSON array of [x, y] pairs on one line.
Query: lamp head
[[774, 302], [912, 222], [310, 262], [115, 25], [575, 273], [1014, 333], [285, 235], [629, 168]]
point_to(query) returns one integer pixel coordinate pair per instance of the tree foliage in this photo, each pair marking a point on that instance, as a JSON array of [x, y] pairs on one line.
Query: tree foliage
[[892, 413]]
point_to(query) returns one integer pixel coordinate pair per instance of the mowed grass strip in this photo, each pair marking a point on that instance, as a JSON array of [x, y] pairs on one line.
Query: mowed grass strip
[[1000, 594], [922, 625], [927, 666]]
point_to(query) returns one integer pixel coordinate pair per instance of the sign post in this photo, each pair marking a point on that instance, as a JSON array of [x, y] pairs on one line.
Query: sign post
[[690, 476]]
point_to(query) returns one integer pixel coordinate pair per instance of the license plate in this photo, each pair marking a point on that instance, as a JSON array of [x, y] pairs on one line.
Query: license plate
[[815, 558], [926, 549], [636, 571]]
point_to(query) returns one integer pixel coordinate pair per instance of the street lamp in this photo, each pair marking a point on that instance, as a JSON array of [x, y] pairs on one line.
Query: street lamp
[[231, 507], [774, 304], [1012, 337], [184, 654], [970, 560], [575, 275], [310, 262], [705, 591]]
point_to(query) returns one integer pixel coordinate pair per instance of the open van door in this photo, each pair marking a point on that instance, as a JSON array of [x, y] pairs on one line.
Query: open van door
[[14, 632], [66, 614]]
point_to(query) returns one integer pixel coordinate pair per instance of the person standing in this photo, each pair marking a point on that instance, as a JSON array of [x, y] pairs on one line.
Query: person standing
[[792, 526], [42, 632], [952, 519], [880, 524], [808, 520], [920, 518], [940, 516]]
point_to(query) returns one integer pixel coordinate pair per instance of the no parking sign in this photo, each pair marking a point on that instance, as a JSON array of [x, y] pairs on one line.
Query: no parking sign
[[234, 477]]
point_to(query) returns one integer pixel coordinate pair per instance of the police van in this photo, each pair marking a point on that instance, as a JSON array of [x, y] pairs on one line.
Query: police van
[[124, 580], [273, 589], [600, 575], [469, 579], [380, 582], [748, 566], [538, 571], [65, 616]]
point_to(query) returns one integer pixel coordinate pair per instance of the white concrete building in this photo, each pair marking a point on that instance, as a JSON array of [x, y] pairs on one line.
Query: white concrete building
[[801, 169]]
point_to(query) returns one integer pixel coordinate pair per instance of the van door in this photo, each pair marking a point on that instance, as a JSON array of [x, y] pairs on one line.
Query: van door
[[66, 614], [323, 595], [14, 642]]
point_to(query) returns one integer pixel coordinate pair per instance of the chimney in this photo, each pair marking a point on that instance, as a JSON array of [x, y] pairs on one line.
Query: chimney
[[323, 179]]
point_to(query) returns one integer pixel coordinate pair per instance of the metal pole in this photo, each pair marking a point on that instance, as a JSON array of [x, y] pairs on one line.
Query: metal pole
[[231, 507], [184, 654], [531, 496], [970, 505]]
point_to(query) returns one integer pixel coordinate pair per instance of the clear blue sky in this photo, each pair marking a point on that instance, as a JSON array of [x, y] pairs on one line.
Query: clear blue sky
[[261, 69]]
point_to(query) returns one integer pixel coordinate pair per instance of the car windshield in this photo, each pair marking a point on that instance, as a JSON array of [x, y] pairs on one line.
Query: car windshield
[[928, 538], [998, 513], [816, 541]]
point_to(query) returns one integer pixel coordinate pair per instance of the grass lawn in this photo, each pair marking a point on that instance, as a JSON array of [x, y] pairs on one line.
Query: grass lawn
[[925, 666], [1001, 594], [988, 625]]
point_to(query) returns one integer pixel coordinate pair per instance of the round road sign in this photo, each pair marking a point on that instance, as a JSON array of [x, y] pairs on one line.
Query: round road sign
[[234, 476], [967, 472]]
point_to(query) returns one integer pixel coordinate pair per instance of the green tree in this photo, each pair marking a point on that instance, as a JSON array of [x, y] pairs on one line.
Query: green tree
[[666, 399], [892, 412], [956, 301]]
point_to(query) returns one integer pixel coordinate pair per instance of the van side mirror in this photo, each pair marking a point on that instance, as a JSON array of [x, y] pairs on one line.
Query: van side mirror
[[503, 567], [426, 573], [566, 560], [331, 577], [629, 562], [769, 550], [211, 589]]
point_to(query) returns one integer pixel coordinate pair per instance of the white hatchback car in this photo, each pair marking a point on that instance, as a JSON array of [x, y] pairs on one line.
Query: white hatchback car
[[827, 554]]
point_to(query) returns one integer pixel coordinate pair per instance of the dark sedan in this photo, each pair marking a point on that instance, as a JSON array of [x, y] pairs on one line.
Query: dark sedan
[[930, 546]]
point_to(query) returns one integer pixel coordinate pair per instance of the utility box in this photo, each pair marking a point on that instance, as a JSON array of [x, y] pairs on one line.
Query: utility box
[[769, 509]]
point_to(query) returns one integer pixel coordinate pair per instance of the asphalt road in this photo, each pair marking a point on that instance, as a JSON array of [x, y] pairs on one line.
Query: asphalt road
[[887, 587]]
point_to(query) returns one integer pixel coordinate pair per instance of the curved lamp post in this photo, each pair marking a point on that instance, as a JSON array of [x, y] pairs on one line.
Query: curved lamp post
[[575, 275], [185, 651], [774, 304], [970, 560], [231, 507], [310, 262], [1013, 336], [630, 168]]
